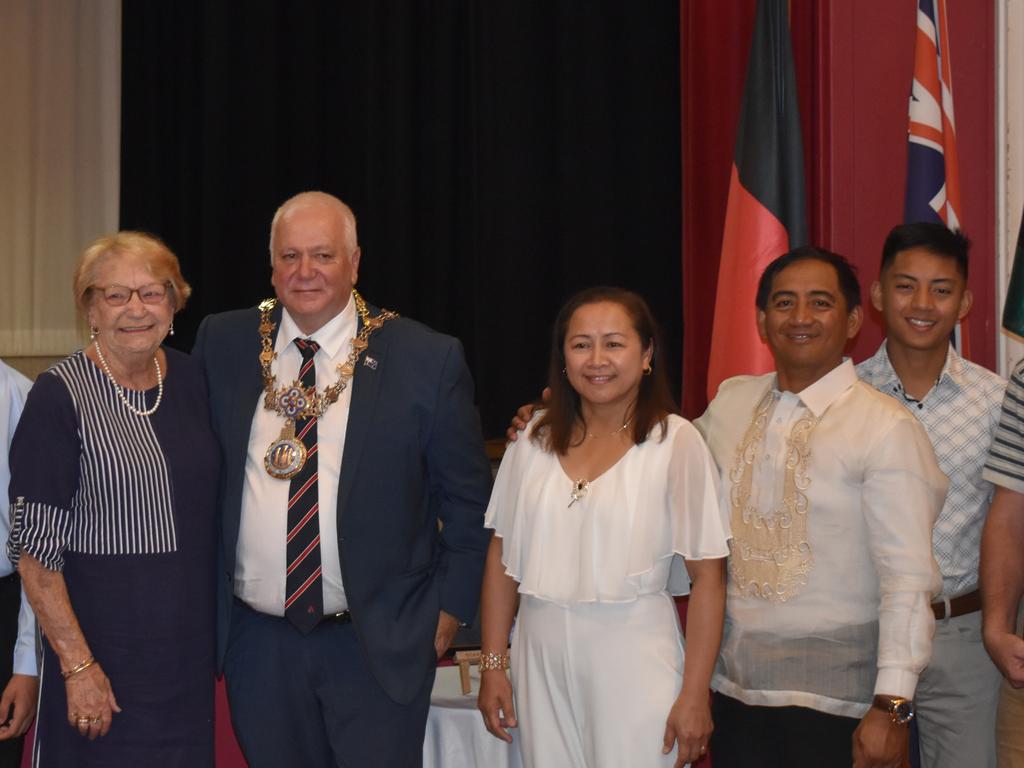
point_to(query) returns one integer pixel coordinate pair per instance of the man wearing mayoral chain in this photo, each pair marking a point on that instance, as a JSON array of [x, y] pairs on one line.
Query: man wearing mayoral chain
[[348, 434], [834, 489]]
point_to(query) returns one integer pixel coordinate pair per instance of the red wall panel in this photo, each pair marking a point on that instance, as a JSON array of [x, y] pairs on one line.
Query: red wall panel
[[854, 63], [866, 67]]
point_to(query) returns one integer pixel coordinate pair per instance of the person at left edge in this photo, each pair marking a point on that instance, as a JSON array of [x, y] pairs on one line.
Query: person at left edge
[[114, 471], [18, 664], [344, 680]]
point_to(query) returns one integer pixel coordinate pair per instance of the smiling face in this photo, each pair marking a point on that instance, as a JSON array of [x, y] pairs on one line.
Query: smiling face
[[135, 328], [921, 296], [806, 323], [604, 356], [315, 263]]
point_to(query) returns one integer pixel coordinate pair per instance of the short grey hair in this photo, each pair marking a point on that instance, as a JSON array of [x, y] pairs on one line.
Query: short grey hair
[[313, 197]]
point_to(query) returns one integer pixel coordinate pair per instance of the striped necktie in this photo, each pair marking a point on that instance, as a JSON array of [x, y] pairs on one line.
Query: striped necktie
[[304, 598]]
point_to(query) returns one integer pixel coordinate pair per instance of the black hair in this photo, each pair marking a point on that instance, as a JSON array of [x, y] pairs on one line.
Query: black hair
[[654, 399], [845, 272], [934, 238]]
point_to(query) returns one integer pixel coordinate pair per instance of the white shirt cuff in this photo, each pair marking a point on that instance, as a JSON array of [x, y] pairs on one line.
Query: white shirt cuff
[[896, 682], [25, 659]]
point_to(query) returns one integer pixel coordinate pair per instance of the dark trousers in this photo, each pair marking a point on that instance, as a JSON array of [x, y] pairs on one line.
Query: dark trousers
[[10, 604], [310, 701], [746, 736]]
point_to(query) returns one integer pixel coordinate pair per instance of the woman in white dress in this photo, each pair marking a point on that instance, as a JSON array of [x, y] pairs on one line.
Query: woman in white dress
[[595, 511]]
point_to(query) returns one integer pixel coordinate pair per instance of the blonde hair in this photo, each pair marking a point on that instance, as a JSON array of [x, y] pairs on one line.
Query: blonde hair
[[149, 249], [303, 199]]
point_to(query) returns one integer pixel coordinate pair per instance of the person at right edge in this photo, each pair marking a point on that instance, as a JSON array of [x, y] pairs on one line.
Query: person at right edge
[[1002, 570]]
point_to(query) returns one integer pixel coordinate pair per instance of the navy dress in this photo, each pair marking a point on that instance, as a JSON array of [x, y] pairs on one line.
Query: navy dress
[[125, 506]]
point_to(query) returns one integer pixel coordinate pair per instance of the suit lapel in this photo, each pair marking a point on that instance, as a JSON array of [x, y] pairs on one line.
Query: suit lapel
[[366, 382], [250, 384]]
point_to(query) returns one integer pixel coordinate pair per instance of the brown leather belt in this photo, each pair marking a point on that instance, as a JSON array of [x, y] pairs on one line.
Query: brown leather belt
[[961, 605]]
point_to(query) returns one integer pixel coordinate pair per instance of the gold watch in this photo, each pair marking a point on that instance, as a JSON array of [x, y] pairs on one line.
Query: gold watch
[[900, 710]]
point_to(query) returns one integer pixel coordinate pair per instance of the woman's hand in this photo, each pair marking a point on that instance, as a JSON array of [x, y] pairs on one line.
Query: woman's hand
[[495, 703], [689, 724], [91, 702]]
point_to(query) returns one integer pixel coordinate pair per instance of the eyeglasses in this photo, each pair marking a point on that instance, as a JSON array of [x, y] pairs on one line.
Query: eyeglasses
[[119, 295]]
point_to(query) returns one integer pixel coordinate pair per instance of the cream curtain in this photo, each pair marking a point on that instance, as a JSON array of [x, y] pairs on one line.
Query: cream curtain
[[60, 91]]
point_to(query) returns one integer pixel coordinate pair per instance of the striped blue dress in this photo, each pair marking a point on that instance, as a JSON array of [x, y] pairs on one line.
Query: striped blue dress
[[124, 505]]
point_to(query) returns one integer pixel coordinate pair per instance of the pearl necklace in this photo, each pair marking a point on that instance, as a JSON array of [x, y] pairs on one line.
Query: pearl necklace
[[120, 389]]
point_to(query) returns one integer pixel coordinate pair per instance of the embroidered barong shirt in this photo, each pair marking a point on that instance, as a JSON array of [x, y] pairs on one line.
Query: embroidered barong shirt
[[833, 494]]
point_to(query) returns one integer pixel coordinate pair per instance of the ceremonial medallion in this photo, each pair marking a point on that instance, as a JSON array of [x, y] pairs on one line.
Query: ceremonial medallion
[[286, 455]]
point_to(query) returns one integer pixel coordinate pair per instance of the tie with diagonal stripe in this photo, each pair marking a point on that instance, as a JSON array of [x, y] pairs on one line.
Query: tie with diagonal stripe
[[304, 594]]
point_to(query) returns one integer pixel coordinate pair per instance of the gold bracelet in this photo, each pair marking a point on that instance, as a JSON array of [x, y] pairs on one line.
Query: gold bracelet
[[489, 661], [81, 666]]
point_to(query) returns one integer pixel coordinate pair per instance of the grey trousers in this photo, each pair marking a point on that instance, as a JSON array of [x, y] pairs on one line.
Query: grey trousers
[[957, 696]]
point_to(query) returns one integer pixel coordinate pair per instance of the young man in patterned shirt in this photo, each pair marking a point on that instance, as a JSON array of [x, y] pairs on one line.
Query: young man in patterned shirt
[[922, 293], [1002, 570]]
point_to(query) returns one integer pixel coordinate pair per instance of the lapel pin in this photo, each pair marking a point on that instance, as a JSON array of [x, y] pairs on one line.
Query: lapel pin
[[370, 362]]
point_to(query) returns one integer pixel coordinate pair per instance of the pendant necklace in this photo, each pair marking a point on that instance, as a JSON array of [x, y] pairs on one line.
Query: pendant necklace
[[582, 485], [613, 434], [579, 490]]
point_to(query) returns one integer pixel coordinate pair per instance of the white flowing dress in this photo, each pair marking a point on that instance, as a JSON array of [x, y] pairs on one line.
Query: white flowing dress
[[597, 655]]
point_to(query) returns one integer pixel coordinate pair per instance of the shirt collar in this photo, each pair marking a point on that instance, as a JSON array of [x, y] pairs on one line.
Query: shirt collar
[[952, 371], [826, 390], [331, 336]]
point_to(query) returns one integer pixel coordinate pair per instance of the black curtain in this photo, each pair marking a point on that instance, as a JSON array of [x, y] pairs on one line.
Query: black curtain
[[498, 155]]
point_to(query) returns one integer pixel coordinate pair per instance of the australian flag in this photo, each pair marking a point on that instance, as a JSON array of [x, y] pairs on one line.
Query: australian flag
[[933, 177], [933, 171]]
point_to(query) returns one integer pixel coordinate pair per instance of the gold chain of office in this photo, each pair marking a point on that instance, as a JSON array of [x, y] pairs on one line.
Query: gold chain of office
[[286, 455]]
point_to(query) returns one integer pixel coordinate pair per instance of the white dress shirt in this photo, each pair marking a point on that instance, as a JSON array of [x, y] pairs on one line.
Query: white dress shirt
[[13, 390], [262, 549], [854, 617]]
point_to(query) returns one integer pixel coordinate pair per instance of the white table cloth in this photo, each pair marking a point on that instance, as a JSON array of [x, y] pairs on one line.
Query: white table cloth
[[456, 737]]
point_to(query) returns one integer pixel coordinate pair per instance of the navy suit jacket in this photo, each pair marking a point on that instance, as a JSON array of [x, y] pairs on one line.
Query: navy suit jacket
[[413, 456]]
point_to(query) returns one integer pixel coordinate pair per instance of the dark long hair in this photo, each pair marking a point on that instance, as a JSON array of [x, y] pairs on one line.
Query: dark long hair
[[654, 401]]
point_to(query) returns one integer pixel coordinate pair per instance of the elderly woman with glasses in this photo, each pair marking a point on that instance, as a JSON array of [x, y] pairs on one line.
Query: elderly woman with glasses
[[114, 473]]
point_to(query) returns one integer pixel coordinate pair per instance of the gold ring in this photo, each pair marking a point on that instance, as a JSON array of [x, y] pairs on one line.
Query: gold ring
[[95, 721]]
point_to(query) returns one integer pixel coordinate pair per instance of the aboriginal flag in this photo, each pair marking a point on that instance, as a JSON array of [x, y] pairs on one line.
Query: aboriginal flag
[[766, 214]]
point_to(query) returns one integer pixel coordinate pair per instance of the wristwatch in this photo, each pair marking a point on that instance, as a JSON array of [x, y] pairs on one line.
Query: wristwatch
[[900, 710]]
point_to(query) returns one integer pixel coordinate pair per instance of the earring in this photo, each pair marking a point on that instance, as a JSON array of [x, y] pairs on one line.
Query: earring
[[93, 332], [170, 331], [648, 370], [564, 373]]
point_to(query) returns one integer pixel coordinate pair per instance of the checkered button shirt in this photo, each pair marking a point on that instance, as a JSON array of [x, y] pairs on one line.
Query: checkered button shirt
[[960, 414]]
